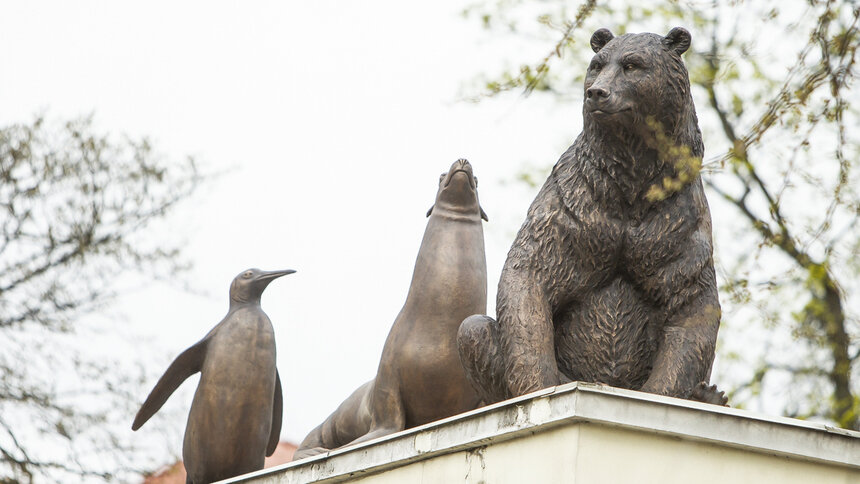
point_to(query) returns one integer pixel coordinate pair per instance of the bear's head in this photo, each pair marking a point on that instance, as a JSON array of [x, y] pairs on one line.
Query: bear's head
[[637, 82]]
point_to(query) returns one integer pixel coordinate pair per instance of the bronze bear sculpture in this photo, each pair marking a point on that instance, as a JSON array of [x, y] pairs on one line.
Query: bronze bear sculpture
[[605, 283]]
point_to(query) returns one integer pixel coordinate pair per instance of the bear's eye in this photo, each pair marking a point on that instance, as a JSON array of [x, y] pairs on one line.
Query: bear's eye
[[633, 62], [595, 66]]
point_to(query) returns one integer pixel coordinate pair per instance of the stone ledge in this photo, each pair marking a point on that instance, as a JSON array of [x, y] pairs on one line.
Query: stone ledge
[[576, 420]]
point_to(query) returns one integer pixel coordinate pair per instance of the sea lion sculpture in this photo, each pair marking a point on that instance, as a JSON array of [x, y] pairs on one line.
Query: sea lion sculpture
[[235, 418], [420, 378], [610, 280]]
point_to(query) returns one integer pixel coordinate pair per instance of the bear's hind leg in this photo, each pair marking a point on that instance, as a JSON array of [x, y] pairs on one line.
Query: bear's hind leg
[[481, 356]]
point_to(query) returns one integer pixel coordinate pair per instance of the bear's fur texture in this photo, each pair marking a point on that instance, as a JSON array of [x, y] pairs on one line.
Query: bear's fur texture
[[602, 283]]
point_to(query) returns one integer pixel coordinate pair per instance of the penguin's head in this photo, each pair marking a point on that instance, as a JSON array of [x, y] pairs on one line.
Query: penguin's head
[[250, 284], [458, 191]]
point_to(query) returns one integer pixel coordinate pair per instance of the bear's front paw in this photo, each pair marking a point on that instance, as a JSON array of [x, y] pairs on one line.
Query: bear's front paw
[[709, 394]]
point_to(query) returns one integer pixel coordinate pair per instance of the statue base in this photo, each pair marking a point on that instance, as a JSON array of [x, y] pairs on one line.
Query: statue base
[[583, 432]]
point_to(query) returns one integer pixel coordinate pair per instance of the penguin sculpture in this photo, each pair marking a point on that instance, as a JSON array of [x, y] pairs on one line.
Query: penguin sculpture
[[235, 418]]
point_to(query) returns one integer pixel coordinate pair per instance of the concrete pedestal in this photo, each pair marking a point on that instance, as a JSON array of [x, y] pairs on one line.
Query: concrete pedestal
[[591, 434]]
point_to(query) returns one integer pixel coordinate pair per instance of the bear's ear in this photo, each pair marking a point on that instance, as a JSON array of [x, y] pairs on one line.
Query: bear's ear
[[678, 40], [600, 38]]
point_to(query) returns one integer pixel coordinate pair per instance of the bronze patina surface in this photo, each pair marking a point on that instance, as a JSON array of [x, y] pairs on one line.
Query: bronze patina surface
[[235, 418], [611, 277], [420, 378]]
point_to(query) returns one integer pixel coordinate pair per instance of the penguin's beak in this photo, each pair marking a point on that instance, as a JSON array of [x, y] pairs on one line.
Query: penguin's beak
[[269, 276]]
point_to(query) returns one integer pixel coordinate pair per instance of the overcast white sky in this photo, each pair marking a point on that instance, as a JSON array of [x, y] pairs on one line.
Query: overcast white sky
[[336, 118]]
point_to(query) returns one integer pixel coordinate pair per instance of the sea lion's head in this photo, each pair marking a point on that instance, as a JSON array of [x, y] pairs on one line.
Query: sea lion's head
[[458, 191], [249, 285]]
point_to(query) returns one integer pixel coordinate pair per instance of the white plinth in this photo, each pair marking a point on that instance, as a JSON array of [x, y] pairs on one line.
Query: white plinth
[[591, 434]]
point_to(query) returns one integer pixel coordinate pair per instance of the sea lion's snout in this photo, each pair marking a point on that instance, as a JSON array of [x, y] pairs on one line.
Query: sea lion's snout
[[462, 164], [458, 190], [461, 167]]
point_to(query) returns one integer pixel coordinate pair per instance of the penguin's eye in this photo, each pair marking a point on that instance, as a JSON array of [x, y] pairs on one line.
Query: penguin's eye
[[247, 275]]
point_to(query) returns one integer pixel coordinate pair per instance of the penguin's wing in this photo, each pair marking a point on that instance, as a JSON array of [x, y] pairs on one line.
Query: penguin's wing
[[186, 364], [277, 415]]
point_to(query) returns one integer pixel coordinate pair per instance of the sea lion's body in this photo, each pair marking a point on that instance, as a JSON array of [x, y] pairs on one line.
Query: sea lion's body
[[420, 378], [235, 417]]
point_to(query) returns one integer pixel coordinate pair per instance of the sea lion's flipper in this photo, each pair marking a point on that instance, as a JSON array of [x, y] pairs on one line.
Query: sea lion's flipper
[[277, 415], [384, 403], [186, 364]]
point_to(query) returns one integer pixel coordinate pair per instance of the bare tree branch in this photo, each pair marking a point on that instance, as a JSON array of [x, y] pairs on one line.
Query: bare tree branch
[[75, 207]]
